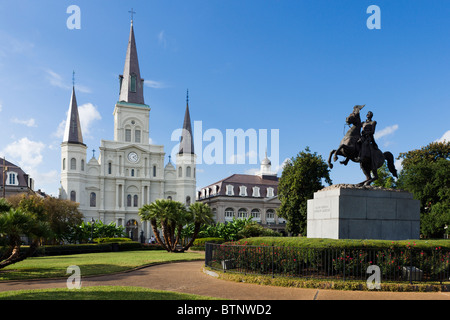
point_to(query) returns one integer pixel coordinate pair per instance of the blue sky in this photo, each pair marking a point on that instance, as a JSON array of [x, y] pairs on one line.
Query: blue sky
[[291, 65]]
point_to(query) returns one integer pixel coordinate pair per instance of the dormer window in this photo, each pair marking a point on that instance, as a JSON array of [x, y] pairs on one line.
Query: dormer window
[[256, 192], [12, 179], [243, 191], [230, 191], [270, 192]]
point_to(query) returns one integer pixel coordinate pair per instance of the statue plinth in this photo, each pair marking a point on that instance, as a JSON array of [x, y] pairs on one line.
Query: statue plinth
[[351, 212]]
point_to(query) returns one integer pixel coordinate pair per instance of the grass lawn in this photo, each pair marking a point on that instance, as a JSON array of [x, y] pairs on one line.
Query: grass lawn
[[91, 263], [100, 293]]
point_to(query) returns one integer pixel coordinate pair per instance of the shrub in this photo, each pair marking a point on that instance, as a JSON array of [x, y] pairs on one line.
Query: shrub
[[199, 244], [111, 240]]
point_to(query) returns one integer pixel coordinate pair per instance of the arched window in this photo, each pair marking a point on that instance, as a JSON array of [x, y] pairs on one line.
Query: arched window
[[93, 199], [73, 164], [109, 167], [270, 215], [229, 214], [154, 171], [73, 196], [242, 213], [127, 135], [135, 200], [64, 164], [180, 172], [188, 200], [188, 172], [129, 200], [256, 215], [82, 164], [132, 172], [169, 198]]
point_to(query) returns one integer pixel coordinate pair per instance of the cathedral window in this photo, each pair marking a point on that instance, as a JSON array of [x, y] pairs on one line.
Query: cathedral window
[[93, 199], [188, 200], [127, 135], [64, 164], [73, 196], [180, 172], [188, 172], [82, 165], [135, 200], [154, 171], [132, 172], [73, 164], [129, 200], [137, 136], [109, 167], [133, 83]]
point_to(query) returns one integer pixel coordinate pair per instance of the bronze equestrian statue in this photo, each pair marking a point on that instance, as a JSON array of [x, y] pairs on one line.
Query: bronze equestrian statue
[[361, 147]]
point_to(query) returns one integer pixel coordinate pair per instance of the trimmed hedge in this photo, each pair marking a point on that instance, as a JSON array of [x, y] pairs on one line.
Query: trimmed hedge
[[199, 244], [88, 248], [318, 243]]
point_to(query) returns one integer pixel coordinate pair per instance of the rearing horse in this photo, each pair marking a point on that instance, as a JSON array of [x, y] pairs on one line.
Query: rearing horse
[[350, 148]]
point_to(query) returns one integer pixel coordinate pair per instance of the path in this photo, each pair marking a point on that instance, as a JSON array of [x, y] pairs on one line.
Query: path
[[188, 277]]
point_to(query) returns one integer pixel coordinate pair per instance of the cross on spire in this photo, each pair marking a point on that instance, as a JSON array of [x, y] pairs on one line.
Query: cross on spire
[[132, 13], [187, 96]]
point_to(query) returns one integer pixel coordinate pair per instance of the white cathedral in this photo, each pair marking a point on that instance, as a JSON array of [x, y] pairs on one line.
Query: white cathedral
[[129, 171]]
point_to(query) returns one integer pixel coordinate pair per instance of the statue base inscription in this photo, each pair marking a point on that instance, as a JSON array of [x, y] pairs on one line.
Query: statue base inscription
[[351, 212]]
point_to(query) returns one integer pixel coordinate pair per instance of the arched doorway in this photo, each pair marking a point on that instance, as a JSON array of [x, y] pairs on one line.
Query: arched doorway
[[132, 229]]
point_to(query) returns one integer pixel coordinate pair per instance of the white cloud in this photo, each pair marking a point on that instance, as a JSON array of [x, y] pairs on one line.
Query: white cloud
[[29, 123], [56, 80], [386, 131], [88, 115], [445, 137], [27, 153], [155, 84]]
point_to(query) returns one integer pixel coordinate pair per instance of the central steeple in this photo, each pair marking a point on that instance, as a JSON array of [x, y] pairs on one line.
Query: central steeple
[[131, 83]]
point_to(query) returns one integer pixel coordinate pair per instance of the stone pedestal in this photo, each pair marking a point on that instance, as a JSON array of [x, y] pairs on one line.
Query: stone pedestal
[[349, 212]]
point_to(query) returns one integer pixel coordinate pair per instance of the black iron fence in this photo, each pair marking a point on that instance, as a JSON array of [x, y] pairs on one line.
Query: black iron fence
[[392, 264]]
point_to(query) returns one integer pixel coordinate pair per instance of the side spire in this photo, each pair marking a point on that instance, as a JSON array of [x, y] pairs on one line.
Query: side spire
[[72, 133], [187, 139], [131, 83]]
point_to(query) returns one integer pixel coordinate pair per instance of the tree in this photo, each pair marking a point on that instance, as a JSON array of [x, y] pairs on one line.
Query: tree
[[171, 217], [426, 174], [62, 215], [301, 177], [15, 223], [385, 178]]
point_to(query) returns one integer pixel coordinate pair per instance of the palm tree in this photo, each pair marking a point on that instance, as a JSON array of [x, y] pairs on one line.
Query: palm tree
[[13, 224], [200, 214], [172, 217]]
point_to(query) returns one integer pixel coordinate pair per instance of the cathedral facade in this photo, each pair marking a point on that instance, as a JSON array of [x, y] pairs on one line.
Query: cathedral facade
[[129, 171]]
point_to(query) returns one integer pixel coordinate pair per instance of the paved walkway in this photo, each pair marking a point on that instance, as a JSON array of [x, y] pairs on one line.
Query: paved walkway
[[188, 277]]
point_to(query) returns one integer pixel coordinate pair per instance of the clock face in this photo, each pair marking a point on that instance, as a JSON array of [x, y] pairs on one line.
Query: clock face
[[133, 157]]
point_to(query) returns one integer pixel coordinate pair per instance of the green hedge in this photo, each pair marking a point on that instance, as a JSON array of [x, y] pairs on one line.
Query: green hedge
[[344, 243], [111, 240], [199, 244], [88, 248]]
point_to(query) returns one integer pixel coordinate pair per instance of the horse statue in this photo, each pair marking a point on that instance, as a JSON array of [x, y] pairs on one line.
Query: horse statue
[[361, 148]]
